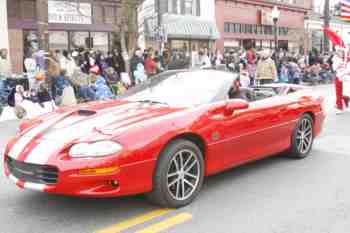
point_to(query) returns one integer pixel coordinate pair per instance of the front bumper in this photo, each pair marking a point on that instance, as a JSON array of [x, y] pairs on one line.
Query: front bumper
[[129, 179]]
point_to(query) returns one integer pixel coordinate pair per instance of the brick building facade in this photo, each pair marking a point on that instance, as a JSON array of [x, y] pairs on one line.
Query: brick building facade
[[96, 30], [246, 22]]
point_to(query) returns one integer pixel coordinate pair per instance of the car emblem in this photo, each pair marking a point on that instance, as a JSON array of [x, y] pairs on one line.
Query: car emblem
[[215, 136]]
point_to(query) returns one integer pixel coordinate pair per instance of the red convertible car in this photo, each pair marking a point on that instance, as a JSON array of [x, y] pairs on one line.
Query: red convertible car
[[163, 137]]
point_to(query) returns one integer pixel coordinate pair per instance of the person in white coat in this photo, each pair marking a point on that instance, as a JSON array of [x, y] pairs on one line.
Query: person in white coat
[[342, 69], [67, 63]]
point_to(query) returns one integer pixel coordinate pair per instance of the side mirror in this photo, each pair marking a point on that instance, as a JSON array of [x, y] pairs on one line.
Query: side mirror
[[235, 105]]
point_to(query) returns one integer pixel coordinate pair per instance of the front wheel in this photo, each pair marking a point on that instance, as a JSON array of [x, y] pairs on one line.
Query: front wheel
[[179, 175], [302, 138]]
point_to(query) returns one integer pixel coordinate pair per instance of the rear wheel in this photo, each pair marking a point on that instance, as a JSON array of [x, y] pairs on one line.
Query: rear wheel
[[179, 175], [302, 138]]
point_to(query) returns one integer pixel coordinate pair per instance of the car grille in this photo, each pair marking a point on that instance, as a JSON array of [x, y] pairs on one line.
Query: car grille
[[40, 174]]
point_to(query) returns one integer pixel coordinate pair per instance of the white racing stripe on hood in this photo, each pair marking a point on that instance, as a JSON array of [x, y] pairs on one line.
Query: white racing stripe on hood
[[75, 119], [55, 141], [82, 128], [41, 153], [109, 130], [24, 140], [150, 121], [48, 121]]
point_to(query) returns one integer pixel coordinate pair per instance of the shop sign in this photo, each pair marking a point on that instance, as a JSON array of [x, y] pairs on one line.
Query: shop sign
[[69, 12], [265, 17]]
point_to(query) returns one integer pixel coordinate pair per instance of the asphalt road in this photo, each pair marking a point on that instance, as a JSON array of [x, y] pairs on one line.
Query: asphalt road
[[275, 195]]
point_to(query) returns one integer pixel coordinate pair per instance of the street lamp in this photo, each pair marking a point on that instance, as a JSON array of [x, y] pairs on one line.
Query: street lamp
[[275, 16]]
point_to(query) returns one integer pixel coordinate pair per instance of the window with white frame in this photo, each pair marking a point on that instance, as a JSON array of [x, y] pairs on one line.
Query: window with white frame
[[187, 7]]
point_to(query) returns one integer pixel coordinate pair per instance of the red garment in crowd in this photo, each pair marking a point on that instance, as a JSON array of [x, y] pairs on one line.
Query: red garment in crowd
[[150, 66], [250, 56], [95, 69], [340, 98]]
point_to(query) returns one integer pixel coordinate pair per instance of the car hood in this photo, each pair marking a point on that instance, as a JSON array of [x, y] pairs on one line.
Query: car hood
[[79, 123], [52, 133]]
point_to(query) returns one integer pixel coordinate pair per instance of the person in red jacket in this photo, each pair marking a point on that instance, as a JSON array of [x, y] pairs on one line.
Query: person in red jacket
[[150, 65]]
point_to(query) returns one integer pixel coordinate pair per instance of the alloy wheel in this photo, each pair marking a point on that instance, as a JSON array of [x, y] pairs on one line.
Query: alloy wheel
[[183, 175], [304, 136]]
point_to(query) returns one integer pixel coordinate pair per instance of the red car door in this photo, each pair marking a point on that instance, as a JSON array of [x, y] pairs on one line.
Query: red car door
[[243, 135], [251, 133], [278, 123]]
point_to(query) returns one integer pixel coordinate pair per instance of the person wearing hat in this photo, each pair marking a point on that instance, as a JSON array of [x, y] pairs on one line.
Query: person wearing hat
[[266, 71], [86, 90]]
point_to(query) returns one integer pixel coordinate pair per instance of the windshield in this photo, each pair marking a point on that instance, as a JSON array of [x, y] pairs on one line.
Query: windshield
[[186, 89]]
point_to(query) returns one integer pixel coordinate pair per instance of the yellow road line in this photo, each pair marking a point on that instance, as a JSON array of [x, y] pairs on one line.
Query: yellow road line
[[158, 227], [134, 221]]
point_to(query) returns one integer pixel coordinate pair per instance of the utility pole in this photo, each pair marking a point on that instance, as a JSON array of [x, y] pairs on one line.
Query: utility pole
[[159, 22], [326, 25], [43, 23]]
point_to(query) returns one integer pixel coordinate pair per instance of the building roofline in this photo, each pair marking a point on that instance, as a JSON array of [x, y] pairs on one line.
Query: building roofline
[[267, 3]]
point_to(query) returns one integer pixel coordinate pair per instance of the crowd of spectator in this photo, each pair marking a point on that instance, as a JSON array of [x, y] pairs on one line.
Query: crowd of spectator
[[62, 78], [266, 66]]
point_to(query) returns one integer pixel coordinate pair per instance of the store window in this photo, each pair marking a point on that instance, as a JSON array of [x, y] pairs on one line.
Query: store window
[[249, 28], [98, 13], [79, 40], [226, 27], [58, 40], [268, 30], [109, 15], [255, 29], [233, 27], [189, 7], [30, 43], [180, 48], [199, 45], [114, 41], [99, 41]]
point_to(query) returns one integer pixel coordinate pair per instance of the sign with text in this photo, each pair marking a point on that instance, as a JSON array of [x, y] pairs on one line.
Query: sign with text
[[69, 12], [265, 17]]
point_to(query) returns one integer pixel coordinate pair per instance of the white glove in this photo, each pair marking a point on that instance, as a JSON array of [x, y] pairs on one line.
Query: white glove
[[341, 73]]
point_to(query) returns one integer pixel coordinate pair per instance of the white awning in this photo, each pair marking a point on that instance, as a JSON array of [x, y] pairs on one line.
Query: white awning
[[189, 27]]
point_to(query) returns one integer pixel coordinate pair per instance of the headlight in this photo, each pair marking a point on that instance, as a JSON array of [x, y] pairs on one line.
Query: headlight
[[94, 149]]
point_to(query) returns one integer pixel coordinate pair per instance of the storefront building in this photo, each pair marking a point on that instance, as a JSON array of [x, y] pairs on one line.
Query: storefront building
[[245, 23], [4, 40], [186, 26], [71, 25]]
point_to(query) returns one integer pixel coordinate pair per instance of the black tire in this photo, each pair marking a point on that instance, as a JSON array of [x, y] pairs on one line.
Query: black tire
[[161, 194], [297, 149]]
